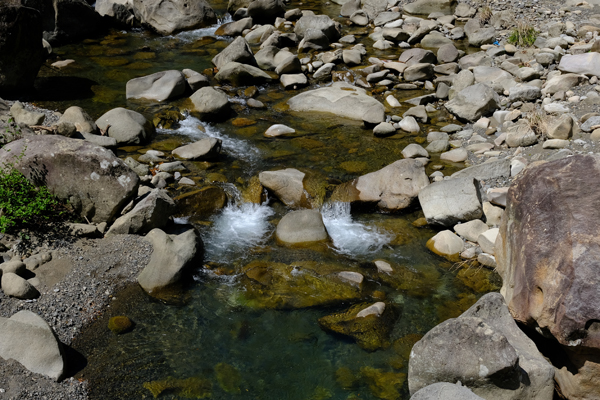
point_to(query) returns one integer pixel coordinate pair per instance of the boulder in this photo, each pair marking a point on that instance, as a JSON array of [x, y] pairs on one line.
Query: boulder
[[21, 50], [120, 11], [340, 99], [24, 116], [201, 203], [585, 64], [126, 126], [549, 263], [279, 130], [447, 53], [471, 230], [314, 39], [81, 119], [418, 72], [417, 56], [374, 7], [481, 36], [238, 51], [154, 210], [301, 227], [234, 28], [446, 244], [393, 187], [94, 182], [265, 11], [520, 135], [455, 155], [174, 256], [414, 150], [210, 104], [161, 86], [524, 93], [474, 102], [28, 339], [321, 23], [561, 83], [195, 80], [204, 149], [485, 171], [293, 81], [560, 127], [485, 350], [171, 16], [238, 74], [287, 186], [487, 241], [494, 77], [449, 202], [429, 6], [16, 286], [69, 21], [445, 390]]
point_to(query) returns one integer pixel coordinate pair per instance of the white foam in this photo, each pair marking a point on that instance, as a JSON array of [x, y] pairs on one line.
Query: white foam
[[237, 148], [190, 36], [235, 230], [350, 237]]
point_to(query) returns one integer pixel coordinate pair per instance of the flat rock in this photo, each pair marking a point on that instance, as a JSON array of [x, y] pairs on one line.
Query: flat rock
[[160, 86], [286, 184], [451, 201], [204, 149], [301, 227]]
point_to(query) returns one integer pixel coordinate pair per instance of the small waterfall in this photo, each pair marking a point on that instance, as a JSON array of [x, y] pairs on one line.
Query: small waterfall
[[190, 36], [238, 228], [350, 237], [237, 148]]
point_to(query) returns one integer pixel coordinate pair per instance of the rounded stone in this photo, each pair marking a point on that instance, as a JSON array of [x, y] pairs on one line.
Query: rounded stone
[[302, 226]]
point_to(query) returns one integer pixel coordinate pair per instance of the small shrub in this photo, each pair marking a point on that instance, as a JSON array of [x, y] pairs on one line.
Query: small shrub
[[523, 35], [22, 205], [485, 14]]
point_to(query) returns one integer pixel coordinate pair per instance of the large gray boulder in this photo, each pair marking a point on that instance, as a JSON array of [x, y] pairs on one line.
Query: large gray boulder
[[585, 64], [494, 77], [16, 286], [265, 11], [474, 102], [238, 51], [210, 104], [171, 16], [485, 171], [486, 351], [340, 99], [94, 182], [562, 83], [173, 258], [286, 184], [153, 211], [28, 339], [238, 74], [301, 227], [21, 50], [393, 187], [451, 201], [234, 28], [160, 86], [126, 126], [204, 149], [119, 10], [321, 23], [445, 391], [429, 6], [80, 119]]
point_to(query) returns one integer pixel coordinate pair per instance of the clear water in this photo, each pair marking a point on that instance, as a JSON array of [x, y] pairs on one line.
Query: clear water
[[214, 338]]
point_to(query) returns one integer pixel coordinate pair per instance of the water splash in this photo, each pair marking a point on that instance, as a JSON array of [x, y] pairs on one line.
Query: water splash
[[350, 237], [190, 36], [237, 229], [237, 148]]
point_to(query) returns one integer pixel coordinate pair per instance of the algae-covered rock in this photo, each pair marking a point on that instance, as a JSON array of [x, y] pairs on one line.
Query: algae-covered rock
[[481, 280], [120, 324], [201, 203], [384, 385], [254, 191], [415, 280], [371, 330], [229, 378], [401, 350], [454, 308], [190, 388], [299, 285], [346, 378]]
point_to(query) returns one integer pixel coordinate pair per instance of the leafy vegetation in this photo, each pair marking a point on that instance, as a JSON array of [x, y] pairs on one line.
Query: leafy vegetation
[[523, 35]]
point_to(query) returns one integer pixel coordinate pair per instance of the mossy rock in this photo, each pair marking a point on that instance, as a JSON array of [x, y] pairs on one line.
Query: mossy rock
[[241, 122], [139, 65], [480, 280], [144, 55], [229, 378], [416, 281], [300, 285], [201, 203], [401, 350], [383, 385], [346, 378], [120, 324], [371, 332], [110, 61], [254, 191], [354, 167], [190, 388], [167, 119], [454, 308]]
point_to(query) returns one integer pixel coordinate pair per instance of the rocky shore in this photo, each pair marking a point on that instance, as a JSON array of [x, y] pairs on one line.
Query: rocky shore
[[517, 120]]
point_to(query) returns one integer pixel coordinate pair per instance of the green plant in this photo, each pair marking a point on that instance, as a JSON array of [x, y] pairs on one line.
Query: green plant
[[523, 35], [22, 204]]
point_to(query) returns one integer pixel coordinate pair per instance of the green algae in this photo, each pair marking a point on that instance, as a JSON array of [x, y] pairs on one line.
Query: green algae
[[229, 378], [371, 332], [190, 388], [346, 378], [120, 324], [384, 385]]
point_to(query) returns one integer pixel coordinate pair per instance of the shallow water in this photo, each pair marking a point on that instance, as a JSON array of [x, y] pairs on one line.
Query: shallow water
[[218, 338]]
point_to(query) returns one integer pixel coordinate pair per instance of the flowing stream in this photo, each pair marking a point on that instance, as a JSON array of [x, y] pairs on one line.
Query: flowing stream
[[227, 338]]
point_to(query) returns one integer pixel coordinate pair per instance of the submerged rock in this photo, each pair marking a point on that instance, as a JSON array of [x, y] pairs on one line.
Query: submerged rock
[[340, 99], [120, 324], [299, 285], [369, 325]]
